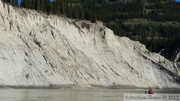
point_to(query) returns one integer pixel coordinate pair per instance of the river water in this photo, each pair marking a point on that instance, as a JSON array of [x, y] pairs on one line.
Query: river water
[[80, 94]]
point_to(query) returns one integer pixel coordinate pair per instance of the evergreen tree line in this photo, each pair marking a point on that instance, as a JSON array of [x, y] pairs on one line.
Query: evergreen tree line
[[114, 13], [158, 37], [107, 10], [69, 8]]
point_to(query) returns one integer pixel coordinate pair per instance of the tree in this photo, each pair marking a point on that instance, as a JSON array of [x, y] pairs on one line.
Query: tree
[[37, 5], [15, 2], [7, 1], [25, 3]]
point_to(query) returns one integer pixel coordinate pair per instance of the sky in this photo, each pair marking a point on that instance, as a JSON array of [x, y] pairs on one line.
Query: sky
[[177, 0]]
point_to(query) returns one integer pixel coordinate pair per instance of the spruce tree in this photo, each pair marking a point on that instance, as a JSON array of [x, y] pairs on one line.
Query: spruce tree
[[15, 2]]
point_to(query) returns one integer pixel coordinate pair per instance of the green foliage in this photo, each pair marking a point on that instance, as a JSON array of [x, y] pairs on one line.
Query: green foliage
[[15, 2]]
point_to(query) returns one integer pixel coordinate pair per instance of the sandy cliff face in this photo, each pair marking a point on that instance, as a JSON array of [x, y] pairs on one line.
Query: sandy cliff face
[[177, 57], [41, 50]]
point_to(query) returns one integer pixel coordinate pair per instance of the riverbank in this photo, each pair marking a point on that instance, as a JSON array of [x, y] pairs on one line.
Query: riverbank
[[84, 87]]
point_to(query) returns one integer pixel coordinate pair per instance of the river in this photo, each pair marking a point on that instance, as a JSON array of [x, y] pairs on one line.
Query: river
[[81, 94]]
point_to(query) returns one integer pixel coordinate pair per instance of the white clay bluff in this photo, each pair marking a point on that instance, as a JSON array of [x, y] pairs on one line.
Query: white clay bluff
[[39, 50]]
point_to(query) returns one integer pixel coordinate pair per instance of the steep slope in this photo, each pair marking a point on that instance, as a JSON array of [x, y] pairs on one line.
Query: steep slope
[[178, 57], [45, 50]]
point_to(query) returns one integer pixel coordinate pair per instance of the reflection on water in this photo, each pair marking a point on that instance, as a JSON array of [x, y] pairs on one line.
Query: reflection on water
[[71, 94]]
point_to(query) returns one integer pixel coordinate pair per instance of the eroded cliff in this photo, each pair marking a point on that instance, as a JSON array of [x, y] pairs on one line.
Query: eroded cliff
[[44, 50]]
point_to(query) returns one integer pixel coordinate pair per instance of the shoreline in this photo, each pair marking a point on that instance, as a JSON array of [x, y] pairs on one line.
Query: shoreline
[[86, 87]]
